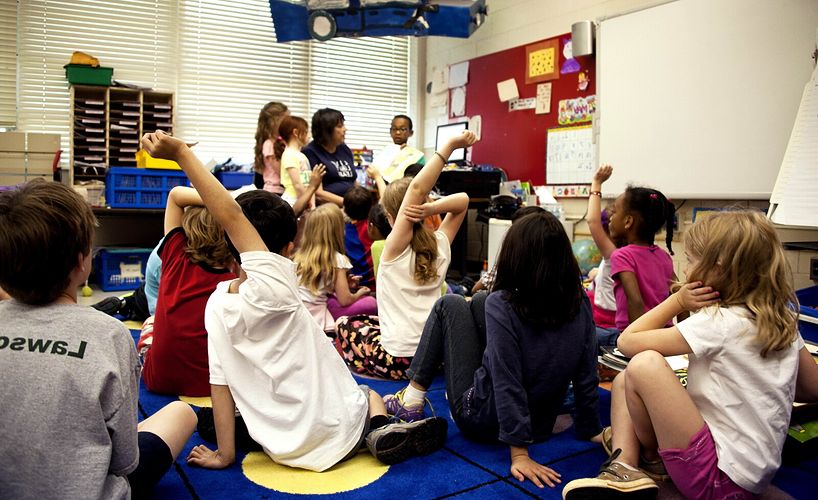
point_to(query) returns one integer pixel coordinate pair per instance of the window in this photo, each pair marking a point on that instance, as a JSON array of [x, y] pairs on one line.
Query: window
[[8, 64]]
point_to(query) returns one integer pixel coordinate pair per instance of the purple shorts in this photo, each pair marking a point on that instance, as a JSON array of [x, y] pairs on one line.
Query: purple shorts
[[695, 470]]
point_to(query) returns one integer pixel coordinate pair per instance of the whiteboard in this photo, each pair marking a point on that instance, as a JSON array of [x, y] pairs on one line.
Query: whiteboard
[[569, 155], [697, 98]]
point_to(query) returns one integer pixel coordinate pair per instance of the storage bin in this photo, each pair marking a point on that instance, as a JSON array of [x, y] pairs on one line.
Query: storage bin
[[130, 187], [808, 315], [121, 268], [144, 160], [234, 180], [88, 75]]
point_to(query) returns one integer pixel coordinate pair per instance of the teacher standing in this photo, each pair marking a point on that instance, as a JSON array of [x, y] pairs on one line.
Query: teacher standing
[[328, 148]]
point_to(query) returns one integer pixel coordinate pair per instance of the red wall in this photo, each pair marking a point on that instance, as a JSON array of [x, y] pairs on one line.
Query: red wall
[[515, 140]]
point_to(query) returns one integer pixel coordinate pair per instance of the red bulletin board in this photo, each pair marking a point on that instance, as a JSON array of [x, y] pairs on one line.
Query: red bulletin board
[[515, 140]]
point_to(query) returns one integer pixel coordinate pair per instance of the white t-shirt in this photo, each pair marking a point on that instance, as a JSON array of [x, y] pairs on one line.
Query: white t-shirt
[[603, 287], [745, 399], [317, 304], [296, 395], [403, 304]]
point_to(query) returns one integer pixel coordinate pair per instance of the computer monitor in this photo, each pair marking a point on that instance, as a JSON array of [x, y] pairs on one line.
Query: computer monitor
[[446, 132]]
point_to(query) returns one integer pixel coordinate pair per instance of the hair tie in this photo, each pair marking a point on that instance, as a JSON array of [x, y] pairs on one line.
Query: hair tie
[[279, 138], [653, 196]]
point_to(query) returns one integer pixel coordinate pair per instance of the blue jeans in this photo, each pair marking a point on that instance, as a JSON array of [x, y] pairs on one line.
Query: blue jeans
[[607, 336]]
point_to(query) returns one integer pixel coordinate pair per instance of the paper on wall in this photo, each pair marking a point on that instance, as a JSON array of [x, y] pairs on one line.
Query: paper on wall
[[437, 100], [476, 125], [458, 74], [458, 103], [507, 90], [518, 104], [543, 105], [440, 83]]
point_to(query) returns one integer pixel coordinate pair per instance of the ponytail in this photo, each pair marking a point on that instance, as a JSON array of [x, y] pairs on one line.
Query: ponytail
[[424, 245], [278, 147]]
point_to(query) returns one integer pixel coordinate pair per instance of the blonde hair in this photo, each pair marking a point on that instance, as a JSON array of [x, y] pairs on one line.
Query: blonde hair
[[269, 118], [424, 243], [206, 241], [739, 254], [323, 238]]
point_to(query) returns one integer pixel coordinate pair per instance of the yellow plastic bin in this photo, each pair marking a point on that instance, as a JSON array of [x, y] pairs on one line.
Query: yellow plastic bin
[[144, 160]]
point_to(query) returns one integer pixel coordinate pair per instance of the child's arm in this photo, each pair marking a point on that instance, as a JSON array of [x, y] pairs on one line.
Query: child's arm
[[806, 383], [373, 173], [594, 217], [304, 198], [179, 198], [454, 205], [636, 306], [224, 417], [416, 194], [342, 293], [522, 467], [328, 197], [219, 203], [650, 326]]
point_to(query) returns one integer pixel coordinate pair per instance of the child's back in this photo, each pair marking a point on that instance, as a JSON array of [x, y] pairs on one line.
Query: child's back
[[358, 244], [653, 269]]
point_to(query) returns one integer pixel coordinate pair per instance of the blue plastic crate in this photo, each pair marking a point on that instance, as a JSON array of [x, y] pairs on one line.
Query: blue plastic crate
[[131, 187], [808, 298], [234, 180], [121, 268]]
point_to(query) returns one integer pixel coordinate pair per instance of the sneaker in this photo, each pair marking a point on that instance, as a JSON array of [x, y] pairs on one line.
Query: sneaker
[[407, 413], [614, 481], [109, 305], [655, 469], [394, 443]]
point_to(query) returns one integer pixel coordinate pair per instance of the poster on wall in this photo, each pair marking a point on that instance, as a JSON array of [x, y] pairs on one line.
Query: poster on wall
[[579, 110], [569, 155], [542, 61], [543, 99], [458, 102]]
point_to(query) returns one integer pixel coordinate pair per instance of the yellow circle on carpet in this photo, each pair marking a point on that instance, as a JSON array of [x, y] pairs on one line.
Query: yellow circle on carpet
[[202, 402], [360, 470]]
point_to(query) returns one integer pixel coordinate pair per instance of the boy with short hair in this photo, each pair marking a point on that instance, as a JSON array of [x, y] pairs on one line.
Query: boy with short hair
[[357, 203], [270, 359], [396, 157], [70, 374]]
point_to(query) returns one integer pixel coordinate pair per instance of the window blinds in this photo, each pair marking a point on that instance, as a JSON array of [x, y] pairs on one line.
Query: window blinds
[[8, 63]]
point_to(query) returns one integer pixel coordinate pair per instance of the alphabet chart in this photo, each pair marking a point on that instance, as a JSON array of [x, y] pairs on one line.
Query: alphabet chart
[[569, 155]]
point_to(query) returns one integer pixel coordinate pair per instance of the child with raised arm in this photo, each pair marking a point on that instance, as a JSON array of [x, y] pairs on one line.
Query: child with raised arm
[[269, 358], [722, 437], [412, 267], [70, 373], [604, 304]]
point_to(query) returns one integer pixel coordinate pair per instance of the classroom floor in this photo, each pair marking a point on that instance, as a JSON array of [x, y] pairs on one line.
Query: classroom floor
[[461, 469]]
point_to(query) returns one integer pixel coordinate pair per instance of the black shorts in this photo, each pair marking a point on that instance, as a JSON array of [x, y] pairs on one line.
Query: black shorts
[[155, 459]]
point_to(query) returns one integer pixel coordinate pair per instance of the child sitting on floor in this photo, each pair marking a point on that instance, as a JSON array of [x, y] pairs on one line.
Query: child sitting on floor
[[604, 303], [357, 203], [378, 229], [195, 259], [269, 358], [70, 373]]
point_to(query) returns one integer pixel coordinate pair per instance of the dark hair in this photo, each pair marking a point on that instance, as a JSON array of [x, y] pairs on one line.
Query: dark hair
[[653, 210], [268, 119], [412, 170], [44, 228], [405, 118], [357, 202], [286, 129], [377, 217], [538, 271], [324, 122], [522, 212], [272, 217]]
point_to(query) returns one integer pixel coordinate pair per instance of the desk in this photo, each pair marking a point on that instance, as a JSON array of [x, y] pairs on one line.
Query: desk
[[129, 227]]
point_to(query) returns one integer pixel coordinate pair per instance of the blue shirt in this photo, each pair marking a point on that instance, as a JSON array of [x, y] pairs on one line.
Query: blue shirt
[[340, 176], [519, 389]]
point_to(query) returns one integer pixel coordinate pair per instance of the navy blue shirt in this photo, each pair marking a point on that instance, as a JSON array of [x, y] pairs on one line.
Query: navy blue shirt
[[520, 387], [340, 176]]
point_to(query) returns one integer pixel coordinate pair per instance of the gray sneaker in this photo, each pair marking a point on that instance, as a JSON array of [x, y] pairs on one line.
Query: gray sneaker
[[655, 469], [614, 481], [395, 442]]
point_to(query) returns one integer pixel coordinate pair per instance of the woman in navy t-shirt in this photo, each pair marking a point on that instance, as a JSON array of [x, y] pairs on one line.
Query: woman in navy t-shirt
[[328, 148]]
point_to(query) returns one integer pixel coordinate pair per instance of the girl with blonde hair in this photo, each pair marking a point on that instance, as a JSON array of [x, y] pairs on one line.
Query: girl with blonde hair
[[411, 270], [323, 268], [722, 437]]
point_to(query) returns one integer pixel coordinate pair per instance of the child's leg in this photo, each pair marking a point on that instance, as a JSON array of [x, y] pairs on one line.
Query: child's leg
[[624, 436], [174, 424]]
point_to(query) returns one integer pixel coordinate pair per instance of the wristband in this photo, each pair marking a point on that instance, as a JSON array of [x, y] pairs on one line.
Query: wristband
[[442, 158], [596, 193]]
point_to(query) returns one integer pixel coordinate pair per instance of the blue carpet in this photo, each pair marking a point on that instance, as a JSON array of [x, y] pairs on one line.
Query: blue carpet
[[462, 469]]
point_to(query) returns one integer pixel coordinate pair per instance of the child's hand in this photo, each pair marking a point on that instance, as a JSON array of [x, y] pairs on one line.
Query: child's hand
[[416, 213], [316, 175], [372, 172], [363, 291], [603, 173], [203, 456], [693, 296], [466, 139], [353, 281], [163, 146], [523, 467]]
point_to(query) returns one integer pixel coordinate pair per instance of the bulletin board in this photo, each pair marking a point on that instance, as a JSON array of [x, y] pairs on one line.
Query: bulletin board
[[516, 141], [570, 155]]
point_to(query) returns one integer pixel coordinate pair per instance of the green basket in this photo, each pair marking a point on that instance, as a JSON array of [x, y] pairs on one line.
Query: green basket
[[88, 75]]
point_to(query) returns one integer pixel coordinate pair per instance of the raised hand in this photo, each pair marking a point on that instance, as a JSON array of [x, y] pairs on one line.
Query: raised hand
[[372, 172], [693, 296], [603, 173], [161, 145], [466, 139]]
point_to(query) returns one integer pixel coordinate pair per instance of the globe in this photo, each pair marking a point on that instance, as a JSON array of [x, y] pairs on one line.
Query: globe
[[587, 254]]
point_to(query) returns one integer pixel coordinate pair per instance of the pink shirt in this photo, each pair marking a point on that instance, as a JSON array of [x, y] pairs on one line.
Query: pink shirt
[[653, 268], [271, 174]]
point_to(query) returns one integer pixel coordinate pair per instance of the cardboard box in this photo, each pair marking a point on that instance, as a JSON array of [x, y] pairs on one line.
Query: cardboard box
[[12, 180], [12, 163], [40, 163], [43, 143], [13, 141]]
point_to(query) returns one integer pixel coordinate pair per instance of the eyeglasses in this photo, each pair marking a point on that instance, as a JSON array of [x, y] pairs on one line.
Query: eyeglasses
[[402, 130]]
